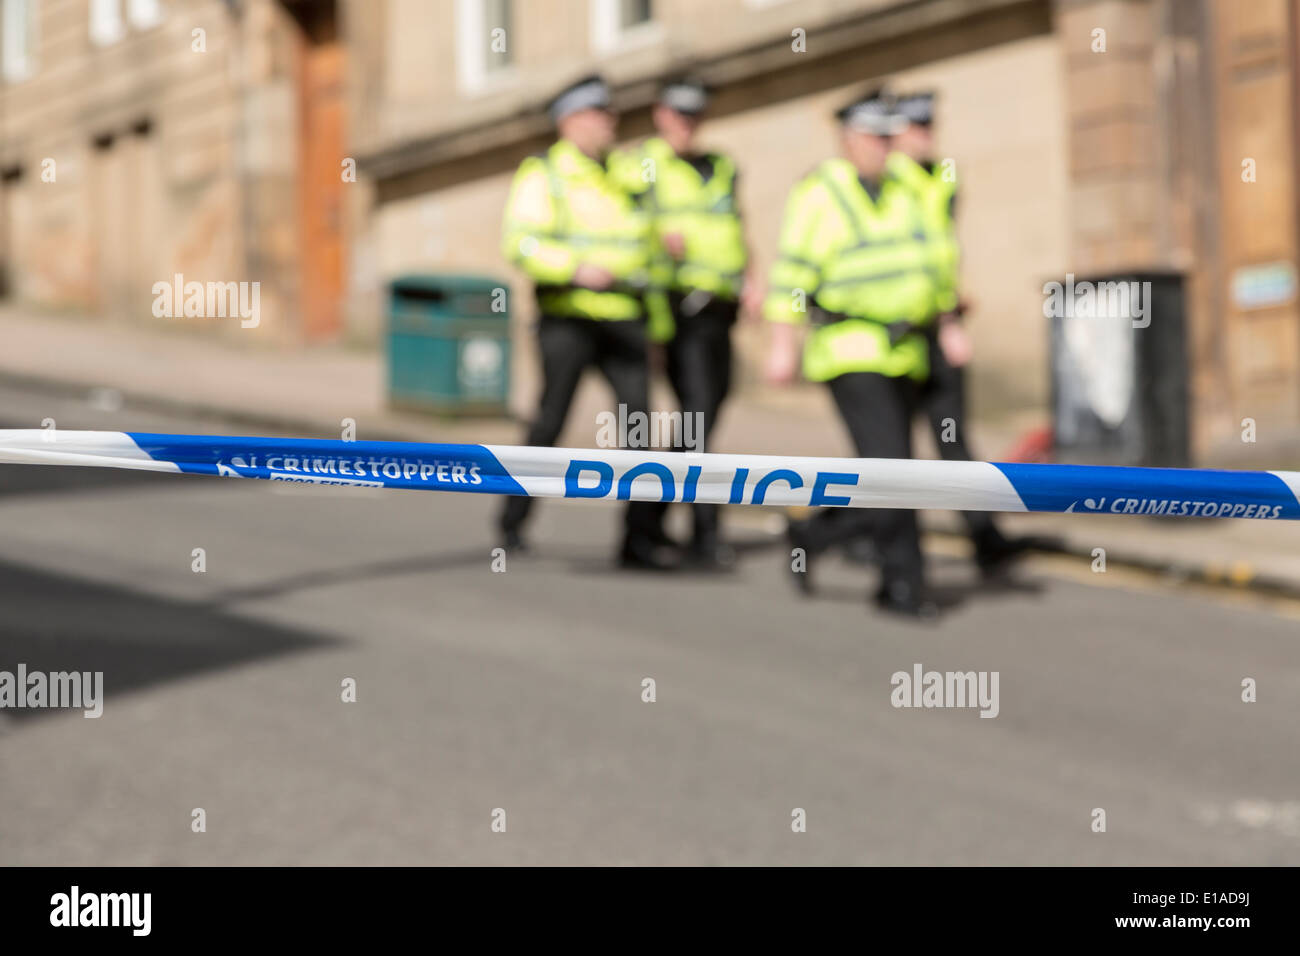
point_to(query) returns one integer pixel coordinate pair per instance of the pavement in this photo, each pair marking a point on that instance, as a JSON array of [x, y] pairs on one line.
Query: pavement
[[519, 696], [310, 391]]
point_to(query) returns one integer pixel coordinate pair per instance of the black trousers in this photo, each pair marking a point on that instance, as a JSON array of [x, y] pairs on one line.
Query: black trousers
[[699, 368], [943, 400], [877, 410], [569, 346]]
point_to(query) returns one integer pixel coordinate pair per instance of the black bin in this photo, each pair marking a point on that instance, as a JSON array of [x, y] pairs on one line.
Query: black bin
[[1119, 369]]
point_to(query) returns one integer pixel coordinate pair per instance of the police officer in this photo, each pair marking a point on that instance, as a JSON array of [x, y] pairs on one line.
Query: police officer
[[590, 250], [854, 266], [942, 399], [692, 196]]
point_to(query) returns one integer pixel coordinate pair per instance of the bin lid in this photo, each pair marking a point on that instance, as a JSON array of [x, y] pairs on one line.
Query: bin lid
[[424, 284]]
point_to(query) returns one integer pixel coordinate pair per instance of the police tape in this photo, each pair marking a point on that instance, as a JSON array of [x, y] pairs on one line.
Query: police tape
[[682, 477]]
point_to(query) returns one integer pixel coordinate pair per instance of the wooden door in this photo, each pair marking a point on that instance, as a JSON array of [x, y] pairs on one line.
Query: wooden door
[[321, 211]]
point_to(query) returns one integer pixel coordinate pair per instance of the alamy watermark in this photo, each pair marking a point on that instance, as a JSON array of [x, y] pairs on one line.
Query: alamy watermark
[[922, 688], [1085, 299], [179, 299], [129, 910], [59, 689], [650, 429]]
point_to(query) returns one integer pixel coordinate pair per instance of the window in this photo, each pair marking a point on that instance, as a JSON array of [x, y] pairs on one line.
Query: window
[[632, 12], [485, 41], [144, 14], [17, 39], [619, 24], [496, 34], [106, 24]]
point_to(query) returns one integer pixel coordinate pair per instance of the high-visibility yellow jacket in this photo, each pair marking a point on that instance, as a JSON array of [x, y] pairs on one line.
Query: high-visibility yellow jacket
[[935, 189], [854, 267], [565, 209], [702, 210]]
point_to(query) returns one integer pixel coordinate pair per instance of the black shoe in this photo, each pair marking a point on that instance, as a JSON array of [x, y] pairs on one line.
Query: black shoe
[[513, 542], [906, 600], [796, 537], [995, 555], [645, 555]]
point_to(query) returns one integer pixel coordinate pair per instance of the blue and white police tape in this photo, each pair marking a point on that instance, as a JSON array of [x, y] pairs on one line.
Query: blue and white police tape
[[684, 477]]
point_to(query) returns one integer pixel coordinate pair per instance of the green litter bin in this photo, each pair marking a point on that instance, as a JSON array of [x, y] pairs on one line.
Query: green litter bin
[[449, 344]]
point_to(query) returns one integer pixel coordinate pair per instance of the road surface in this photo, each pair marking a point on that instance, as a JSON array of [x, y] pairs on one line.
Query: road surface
[[479, 691]]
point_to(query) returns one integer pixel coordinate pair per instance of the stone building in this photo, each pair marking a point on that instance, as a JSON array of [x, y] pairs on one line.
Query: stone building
[[1091, 137], [141, 139]]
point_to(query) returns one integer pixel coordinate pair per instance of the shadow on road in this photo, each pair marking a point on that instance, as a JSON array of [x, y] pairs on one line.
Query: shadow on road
[[949, 584], [427, 564], [52, 622], [56, 479], [947, 592]]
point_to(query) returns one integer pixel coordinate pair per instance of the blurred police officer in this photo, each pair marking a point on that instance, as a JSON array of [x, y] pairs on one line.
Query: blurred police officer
[[692, 196], [591, 253], [853, 266], [943, 399]]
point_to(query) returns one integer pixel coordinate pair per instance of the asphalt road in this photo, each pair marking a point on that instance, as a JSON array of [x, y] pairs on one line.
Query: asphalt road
[[522, 691]]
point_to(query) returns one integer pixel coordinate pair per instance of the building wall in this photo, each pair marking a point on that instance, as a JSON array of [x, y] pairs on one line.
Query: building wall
[[165, 160], [1257, 338], [1001, 99], [1160, 123], [410, 50], [1071, 159]]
